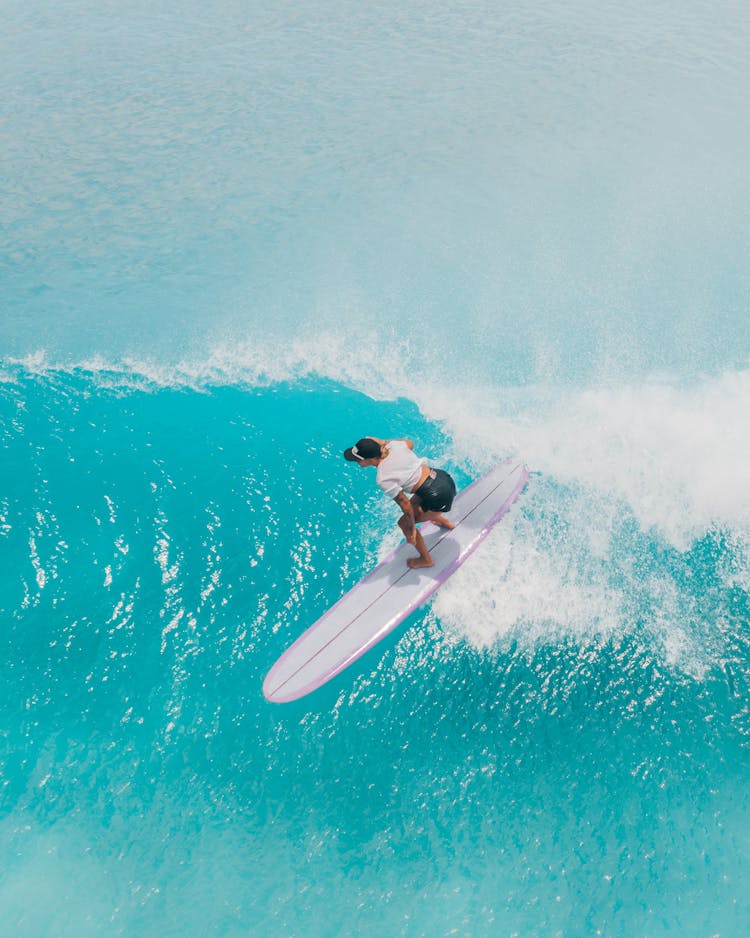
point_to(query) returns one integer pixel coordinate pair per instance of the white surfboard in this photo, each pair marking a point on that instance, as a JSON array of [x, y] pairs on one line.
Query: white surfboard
[[390, 592]]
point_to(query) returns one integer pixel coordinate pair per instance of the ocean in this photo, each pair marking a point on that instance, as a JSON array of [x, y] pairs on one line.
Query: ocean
[[236, 237]]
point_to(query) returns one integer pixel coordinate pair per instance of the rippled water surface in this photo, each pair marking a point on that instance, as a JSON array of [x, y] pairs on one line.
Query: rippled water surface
[[235, 238]]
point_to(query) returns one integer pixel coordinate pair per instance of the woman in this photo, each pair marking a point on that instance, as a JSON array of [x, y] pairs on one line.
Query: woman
[[400, 473]]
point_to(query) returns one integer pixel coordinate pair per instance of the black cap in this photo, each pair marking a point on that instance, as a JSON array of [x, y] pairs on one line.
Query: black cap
[[366, 448]]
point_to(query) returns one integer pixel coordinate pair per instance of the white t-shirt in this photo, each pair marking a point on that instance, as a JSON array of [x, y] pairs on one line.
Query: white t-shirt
[[400, 470]]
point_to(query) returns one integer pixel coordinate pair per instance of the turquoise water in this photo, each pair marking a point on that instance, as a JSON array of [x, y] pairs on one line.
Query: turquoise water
[[234, 239]]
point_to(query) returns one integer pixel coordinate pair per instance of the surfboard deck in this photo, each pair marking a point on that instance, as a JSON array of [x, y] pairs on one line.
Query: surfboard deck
[[392, 591]]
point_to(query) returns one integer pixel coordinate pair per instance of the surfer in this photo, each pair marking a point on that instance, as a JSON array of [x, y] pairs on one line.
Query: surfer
[[400, 473]]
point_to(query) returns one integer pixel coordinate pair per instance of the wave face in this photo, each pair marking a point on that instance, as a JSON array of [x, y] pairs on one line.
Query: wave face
[[233, 241]]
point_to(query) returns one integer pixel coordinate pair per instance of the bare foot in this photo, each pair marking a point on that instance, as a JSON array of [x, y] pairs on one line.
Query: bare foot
[[416, 563]]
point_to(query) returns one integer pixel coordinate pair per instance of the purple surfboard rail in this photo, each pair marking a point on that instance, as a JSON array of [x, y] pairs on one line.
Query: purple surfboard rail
[[392, 591]]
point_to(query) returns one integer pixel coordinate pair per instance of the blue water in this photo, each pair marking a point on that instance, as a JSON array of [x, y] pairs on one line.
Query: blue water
[[234, 238]]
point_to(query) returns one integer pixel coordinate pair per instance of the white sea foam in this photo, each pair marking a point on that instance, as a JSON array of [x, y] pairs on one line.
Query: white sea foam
[[670, 460], [513, 583], [675, 456]]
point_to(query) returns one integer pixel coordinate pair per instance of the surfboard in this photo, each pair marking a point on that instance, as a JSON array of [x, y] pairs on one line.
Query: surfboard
[[391, 591]]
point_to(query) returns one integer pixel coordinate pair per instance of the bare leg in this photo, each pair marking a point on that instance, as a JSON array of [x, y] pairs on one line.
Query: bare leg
[[434, 516], [424, 559]]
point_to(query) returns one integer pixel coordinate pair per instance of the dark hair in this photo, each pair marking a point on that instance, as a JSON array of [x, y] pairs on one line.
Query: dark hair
[[366, 448]]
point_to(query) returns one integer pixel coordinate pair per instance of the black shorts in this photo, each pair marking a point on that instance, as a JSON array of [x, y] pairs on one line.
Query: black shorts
[[437, 491]]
